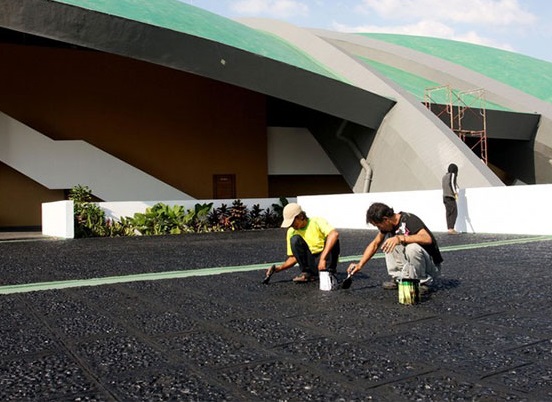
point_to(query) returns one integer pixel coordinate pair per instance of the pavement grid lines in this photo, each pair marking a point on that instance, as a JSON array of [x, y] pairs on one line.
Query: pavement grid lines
[[485, 334]]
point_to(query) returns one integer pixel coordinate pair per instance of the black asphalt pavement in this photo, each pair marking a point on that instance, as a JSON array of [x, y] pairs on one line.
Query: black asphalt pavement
[[485, 334]]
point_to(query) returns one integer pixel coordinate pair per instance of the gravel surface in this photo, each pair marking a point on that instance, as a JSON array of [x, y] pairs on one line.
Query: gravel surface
[[485, 334]]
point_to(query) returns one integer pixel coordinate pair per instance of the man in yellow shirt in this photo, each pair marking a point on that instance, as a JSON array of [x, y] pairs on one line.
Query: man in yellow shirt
[[311, 242]]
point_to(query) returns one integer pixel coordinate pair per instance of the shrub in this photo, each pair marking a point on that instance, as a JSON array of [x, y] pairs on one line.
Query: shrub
[[89, 217], [162, 219]]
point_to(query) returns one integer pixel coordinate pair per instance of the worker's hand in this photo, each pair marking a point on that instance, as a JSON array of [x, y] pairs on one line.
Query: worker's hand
[[390, 244], [353, 269], [322, 264]]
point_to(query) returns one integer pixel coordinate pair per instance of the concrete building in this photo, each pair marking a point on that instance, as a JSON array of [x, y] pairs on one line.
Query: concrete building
[[165, 101]]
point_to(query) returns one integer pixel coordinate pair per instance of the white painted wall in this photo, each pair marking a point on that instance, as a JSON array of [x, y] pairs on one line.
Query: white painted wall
[[116, 210], [513, 210], [57, 219], [501, 210]]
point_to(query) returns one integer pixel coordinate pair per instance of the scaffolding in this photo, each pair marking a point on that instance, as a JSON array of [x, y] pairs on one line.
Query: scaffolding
[[464, 112]]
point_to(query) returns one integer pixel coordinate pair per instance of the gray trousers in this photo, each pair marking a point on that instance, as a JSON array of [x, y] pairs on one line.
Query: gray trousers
[[411, 262]]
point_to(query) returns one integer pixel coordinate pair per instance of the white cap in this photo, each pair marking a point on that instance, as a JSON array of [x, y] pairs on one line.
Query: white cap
[[291, 210]]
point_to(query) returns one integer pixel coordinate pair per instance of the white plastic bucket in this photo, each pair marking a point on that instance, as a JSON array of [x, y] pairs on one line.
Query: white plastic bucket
[[328, 281]]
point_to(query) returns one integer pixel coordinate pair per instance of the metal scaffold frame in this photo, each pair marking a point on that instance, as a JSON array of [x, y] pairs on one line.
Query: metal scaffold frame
[[455, 107]]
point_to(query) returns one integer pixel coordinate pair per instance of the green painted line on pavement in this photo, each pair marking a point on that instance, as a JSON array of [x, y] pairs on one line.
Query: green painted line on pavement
[[154, 276], [468, 246], [110, 280]]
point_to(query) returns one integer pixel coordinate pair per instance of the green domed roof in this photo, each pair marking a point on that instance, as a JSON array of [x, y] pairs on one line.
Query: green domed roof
[[527, 74], [181, 17], [524, 73]]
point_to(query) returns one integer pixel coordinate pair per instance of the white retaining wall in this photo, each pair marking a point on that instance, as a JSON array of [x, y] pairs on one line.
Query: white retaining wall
[[513, 210], [506, 210], [57, 219], [115, 210]]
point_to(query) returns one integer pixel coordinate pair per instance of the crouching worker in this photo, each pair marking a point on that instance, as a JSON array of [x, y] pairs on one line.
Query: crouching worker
[[411, 251], [311, 242]]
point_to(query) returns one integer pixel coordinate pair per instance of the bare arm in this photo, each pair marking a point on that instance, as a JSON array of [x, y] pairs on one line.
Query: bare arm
[[287, 264], [331, 239], [367, 255], [422, 238]]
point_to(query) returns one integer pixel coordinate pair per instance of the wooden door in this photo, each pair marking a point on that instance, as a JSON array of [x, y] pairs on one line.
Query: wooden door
[[224, 186]]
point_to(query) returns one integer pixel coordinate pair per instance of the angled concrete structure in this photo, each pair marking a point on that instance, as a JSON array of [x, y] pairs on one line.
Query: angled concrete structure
[[396, 153], [517, 89], [204, 106]]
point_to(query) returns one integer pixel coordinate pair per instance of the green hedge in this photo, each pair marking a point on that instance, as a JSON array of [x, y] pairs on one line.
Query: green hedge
[[162, 219]]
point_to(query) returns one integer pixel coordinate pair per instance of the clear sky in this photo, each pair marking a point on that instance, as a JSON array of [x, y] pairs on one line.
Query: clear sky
[[522, 26]]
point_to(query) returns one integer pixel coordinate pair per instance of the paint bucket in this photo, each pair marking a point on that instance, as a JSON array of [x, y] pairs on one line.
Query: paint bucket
[[409, 291], [328, 281]]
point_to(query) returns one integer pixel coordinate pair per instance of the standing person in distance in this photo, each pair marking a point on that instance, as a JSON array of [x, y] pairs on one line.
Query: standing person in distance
[[450, 195], [311, 242]]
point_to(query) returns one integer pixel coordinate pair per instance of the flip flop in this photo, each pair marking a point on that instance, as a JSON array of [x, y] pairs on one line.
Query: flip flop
[[269, 273]]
